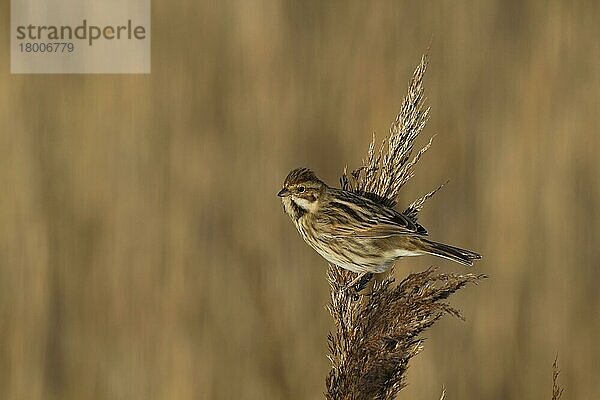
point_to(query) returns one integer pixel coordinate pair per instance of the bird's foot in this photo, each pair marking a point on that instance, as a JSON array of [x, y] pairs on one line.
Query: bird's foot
[[363, 282], [358, 284]]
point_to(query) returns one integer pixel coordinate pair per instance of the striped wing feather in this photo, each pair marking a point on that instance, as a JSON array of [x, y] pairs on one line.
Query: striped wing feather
[[348, 214]]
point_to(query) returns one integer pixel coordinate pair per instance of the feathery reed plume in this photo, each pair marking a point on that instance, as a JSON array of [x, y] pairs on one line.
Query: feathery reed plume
[[443, 396], [557, 391], [376, 335], [384, 173], [375, 338]]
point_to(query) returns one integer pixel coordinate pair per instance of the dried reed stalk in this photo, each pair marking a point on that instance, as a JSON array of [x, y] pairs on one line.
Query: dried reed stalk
[[557, 391], [377, 334]]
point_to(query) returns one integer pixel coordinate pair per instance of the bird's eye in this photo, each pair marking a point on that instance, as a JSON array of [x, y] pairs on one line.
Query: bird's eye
[[301, 189]]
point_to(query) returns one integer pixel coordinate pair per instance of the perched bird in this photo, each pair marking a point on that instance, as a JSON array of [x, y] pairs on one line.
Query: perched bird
[[358, 233]]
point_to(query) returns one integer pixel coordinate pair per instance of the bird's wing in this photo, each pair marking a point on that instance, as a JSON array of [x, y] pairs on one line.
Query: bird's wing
[[355, 216], [376, 228]]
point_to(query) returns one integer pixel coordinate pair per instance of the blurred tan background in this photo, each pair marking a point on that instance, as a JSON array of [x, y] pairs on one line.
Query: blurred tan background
[[144, 254]]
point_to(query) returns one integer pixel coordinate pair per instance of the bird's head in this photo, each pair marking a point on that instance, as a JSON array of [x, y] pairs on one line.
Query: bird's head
[[301, 192]]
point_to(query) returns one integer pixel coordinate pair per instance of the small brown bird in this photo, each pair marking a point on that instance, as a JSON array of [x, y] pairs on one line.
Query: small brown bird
[[355, 232]]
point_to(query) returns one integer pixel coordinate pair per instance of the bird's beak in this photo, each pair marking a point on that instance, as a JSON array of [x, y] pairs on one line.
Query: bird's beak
[[283, 193]]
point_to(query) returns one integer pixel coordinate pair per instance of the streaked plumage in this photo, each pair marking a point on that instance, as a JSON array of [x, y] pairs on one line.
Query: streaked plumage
[[357, 232]]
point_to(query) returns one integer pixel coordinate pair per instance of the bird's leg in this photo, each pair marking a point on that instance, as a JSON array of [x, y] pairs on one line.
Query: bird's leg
[[360, 281], [364, 281], [355, 280]]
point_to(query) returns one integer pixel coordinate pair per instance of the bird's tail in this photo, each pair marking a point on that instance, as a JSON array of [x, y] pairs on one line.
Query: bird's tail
[[456, 254]]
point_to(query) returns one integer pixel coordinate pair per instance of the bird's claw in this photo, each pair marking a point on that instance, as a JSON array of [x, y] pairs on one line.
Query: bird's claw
[[360, 285]]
